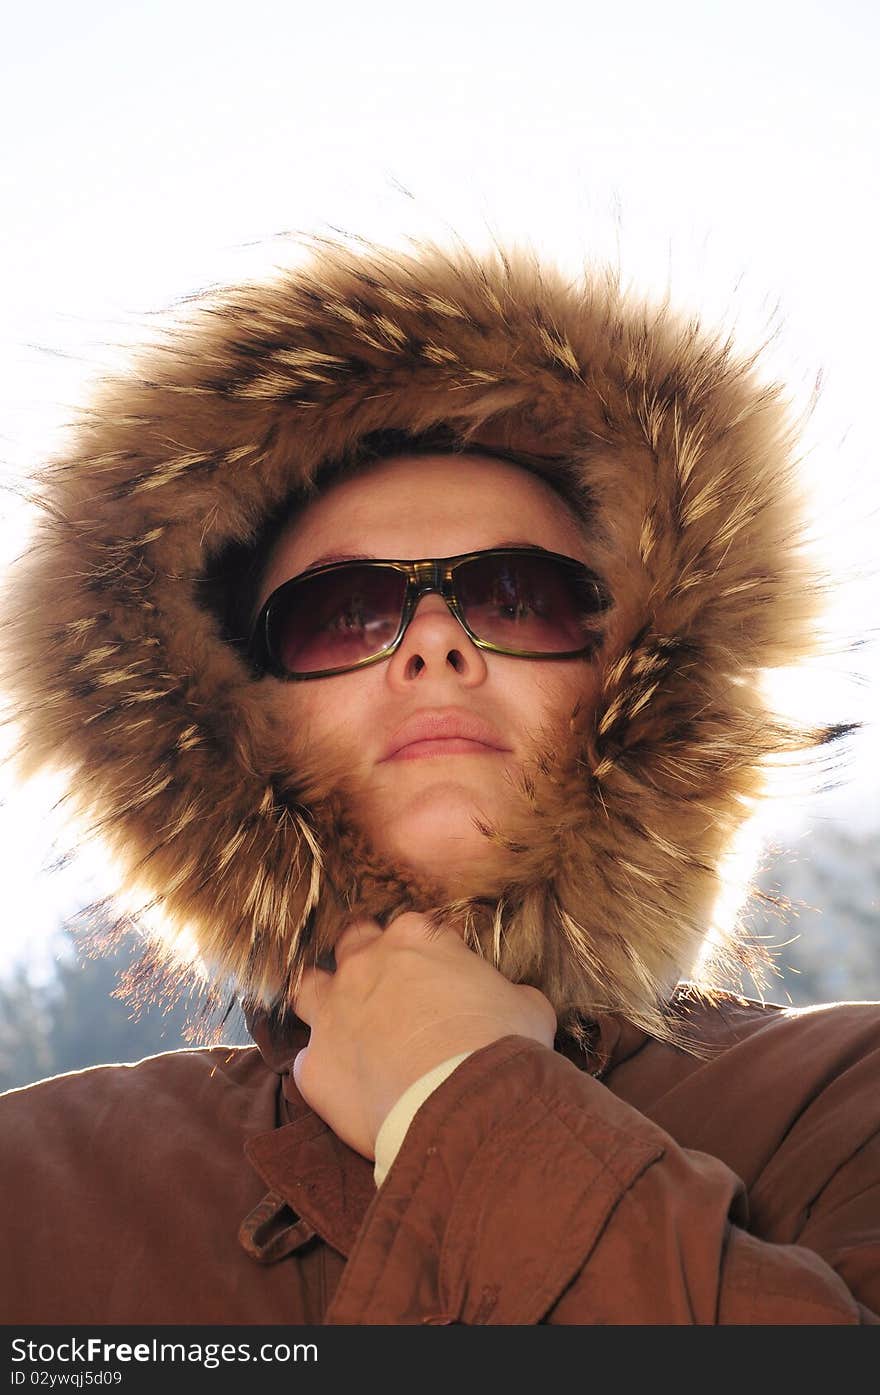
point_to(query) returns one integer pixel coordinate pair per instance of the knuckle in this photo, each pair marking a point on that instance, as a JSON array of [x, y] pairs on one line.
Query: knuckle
[[407, 926], [540, 1002], [352, 949], [353, 931], [355, 935]]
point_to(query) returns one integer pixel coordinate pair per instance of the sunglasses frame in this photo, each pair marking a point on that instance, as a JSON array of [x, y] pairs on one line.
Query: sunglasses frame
[[424, 576]]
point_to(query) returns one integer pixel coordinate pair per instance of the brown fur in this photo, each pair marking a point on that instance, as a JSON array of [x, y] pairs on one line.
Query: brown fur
[[115, 669]]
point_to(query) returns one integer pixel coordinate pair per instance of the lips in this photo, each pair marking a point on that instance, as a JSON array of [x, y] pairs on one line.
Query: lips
[[442, 732]]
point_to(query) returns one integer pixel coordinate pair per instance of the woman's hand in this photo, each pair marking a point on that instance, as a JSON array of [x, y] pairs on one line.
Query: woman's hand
[[401, 1001]]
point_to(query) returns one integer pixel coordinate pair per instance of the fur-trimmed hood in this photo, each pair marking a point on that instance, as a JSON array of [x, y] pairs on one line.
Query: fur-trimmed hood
[[117, 670]]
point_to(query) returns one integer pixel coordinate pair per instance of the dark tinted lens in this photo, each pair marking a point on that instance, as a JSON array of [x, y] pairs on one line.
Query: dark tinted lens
[[529, 602], [337, 618]]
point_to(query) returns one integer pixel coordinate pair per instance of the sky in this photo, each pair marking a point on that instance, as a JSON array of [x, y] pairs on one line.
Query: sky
[[726, 153]]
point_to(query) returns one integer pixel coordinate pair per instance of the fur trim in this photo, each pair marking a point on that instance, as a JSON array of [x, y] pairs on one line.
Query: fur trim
[[115, 669]]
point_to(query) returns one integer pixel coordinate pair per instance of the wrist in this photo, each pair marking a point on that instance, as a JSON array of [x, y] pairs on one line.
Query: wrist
[[422, 1057], [393, 1129]]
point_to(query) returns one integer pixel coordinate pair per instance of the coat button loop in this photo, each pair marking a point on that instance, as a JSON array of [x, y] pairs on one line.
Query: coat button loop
[[273, 1230]]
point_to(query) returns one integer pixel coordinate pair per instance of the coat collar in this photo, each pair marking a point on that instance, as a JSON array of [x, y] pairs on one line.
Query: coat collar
[[320, 1186]]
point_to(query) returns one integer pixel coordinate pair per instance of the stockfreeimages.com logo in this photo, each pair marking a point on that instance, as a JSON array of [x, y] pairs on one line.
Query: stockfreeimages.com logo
[[92, 1351]]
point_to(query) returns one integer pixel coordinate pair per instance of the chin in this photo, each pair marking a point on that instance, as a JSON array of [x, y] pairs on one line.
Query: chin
[[442, 843], [420, 825]]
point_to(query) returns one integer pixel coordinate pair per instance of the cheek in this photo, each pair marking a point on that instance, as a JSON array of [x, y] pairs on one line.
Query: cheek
[[327, 732], [543, 696]]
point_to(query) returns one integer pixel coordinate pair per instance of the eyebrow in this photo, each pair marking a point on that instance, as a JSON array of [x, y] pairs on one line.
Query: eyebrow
[[328, 557]]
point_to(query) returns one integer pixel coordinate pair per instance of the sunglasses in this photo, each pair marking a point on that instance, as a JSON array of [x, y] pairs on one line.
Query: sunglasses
[[520, 601]]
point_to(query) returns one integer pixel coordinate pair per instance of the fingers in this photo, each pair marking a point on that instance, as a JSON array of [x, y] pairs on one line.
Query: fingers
[[306, 1002], [358, 936], [416, 925]]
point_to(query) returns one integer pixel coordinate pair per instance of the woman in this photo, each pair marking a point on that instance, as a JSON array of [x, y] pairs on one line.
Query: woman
[[402, 625], [436, 733]]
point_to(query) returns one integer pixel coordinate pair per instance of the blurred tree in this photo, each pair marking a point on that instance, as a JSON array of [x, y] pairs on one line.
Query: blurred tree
[[25, 1029], [73, 1021], [829, 939], [829, 950]]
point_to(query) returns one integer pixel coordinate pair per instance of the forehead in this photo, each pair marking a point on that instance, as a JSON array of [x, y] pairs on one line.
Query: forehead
[[425, 506]]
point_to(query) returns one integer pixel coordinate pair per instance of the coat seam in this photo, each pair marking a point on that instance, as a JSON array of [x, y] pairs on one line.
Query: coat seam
[[549, 1288], [463, 1096]]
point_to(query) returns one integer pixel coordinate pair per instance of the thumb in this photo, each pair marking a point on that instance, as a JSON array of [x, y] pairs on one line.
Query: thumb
[[300, 1061]]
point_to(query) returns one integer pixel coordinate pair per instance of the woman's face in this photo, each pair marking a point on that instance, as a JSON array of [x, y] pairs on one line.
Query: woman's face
[[420, 802]]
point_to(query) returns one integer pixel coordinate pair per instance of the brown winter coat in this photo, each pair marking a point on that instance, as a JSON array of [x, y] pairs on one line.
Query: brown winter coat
[[688, 1184], [633, 1185]]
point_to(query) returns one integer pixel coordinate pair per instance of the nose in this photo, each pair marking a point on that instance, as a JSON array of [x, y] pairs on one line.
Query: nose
[[435, 644]]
